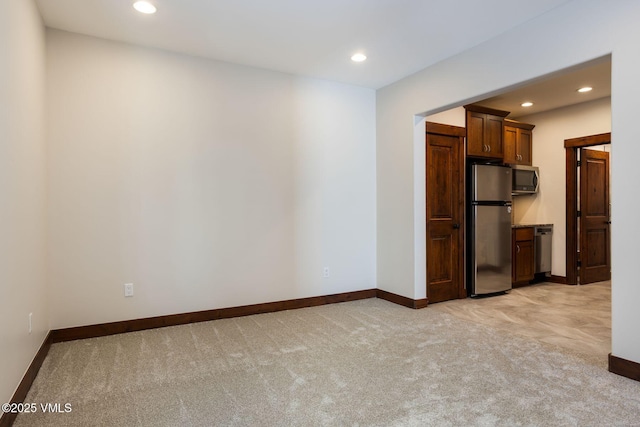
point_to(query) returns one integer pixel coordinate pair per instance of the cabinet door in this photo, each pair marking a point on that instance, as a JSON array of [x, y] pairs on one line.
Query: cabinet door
[[524, 261], [475, 134], [517, 145], [493, 136], [524, 147], [510, 145], [523, 268]]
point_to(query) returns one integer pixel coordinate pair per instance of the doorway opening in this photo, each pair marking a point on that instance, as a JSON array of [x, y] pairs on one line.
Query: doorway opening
[[561, 306], [588, 210]]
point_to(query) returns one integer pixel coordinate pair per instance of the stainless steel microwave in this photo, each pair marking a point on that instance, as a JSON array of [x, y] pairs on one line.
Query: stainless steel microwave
[[525, 179]]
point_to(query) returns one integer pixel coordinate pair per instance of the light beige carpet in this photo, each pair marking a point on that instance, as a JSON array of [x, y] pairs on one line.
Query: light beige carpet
[[366, 362]]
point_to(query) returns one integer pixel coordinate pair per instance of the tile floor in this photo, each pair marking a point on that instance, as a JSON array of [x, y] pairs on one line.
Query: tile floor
[[577, 318]]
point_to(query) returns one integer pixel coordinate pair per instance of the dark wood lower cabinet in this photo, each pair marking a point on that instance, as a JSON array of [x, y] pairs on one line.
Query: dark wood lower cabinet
[[523, 256]]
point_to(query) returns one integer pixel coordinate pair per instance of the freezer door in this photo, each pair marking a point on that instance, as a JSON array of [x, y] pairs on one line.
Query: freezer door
[[491, 183], [492, 251]]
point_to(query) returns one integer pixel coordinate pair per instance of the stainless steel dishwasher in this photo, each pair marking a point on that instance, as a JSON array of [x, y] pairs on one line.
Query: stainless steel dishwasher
[[543, 235]]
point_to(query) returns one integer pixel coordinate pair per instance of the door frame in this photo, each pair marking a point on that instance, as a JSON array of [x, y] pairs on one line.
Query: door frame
[[571, 149]]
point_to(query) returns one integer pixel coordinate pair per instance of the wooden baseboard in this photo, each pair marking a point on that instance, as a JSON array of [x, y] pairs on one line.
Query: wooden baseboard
[[7, 419], [624, 367], [104, 329], [399, 299], [557, 279]]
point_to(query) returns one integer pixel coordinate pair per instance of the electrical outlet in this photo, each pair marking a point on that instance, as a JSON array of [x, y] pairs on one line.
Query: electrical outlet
[[128, 289], [325, 272], [30, 321]]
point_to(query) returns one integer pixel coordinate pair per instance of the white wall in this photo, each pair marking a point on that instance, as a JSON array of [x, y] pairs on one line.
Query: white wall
[[552, 128], [569, 35], [453, 117], [22, 191], [205, 184]]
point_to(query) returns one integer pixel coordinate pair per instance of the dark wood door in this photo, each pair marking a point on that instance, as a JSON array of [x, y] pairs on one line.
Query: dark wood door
[[445, 210], [595, 238]]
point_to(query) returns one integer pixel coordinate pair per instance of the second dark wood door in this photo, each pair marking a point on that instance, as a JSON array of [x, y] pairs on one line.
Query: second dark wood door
[[595, 239], [445, 210]]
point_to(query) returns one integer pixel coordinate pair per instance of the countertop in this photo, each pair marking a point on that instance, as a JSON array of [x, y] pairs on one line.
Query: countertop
[[530, 225]]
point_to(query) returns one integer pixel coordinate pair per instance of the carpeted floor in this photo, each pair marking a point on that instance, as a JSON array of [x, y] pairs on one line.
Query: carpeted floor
[[366, 362]]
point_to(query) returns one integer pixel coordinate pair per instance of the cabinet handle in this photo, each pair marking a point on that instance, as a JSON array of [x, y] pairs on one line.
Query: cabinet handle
[[485, 147], [489, 148], [518, 249]]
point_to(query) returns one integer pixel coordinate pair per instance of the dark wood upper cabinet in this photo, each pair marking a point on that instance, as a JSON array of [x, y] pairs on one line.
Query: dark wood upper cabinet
[[517, 139], [485, 132]]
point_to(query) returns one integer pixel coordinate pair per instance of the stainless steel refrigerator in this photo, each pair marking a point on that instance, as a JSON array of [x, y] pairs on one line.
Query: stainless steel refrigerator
[[489, 238]]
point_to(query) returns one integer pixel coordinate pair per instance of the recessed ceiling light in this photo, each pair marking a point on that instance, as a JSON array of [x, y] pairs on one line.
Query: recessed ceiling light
[[144, 7], [527, 104], [358, 57], [585, 89]]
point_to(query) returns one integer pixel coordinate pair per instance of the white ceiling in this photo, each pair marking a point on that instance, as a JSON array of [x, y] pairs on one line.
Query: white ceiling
[[304, 37], [555, 91]]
